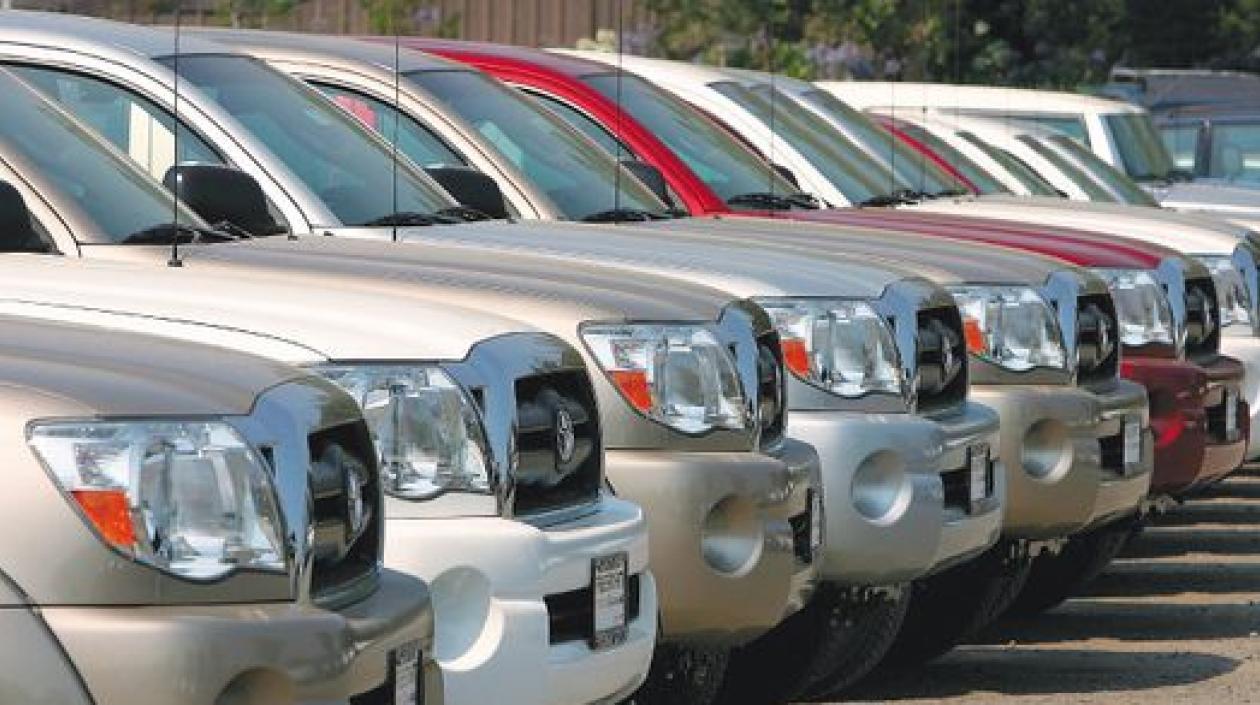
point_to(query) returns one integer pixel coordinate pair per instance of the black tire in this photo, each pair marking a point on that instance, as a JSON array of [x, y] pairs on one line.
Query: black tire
[[829, 645], [683, 675], [1055, 578], [953, 606]]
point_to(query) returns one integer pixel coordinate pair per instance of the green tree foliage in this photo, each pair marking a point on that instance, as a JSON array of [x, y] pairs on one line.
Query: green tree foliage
[[1053, 43]]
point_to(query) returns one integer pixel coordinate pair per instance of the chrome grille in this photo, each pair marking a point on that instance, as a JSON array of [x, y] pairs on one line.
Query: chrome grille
[[346, 514], [1097, 340], [941, 359], [772, 392], [1203, 329], [558, 458]]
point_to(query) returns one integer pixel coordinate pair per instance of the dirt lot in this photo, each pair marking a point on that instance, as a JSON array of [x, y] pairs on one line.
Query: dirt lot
[[1176, 620]]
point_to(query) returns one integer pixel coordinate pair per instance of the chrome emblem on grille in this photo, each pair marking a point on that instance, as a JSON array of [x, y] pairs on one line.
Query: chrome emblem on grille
[[566, 436], [356, 505]]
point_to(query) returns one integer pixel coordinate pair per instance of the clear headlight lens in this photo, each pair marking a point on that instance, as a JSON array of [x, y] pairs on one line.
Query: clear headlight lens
[[1010, 326], [426, 429], [1142, 307], [679, 375], [842, 346], [1231, 289], [191, 499]]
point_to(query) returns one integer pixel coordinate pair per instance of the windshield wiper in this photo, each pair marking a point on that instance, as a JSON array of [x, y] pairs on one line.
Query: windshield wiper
[[623, 215], [900, 197], [168, 233], [464, 214], [951, 193], [1181, 175], [775, 201], [403, 219]]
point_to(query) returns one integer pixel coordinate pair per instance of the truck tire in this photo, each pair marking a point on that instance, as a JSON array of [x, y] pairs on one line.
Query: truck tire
[[838, 638], [683, 675], [1055, 578], [952, 606]]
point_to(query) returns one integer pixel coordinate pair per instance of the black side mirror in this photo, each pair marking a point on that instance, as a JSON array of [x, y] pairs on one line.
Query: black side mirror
[[220, 194], [651, 177], [17, 234], [787, 174], [471, 188]]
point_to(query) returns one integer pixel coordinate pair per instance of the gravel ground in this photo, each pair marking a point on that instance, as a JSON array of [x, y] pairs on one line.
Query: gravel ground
[[1175, 620]]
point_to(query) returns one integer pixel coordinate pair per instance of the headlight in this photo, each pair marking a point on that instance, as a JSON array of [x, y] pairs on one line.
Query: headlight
[[188, 498], [426, 429], [1010, 326], [842, 346], [679, 375], [1142, 307], [1231, 290]]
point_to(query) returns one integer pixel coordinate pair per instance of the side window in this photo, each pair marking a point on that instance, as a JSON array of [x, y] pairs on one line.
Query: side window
[[582, 122], [133, 124], [1182, 142], [415, 140]]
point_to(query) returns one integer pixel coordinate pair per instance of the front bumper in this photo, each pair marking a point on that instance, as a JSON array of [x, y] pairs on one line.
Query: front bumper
[[492, 580], [281, 654], [1240, 344], [1188, 400], [888, 519], [1058, 480], [730, 535]]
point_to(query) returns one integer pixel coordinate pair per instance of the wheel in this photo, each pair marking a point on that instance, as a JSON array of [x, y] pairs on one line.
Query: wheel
[[1055, 578], [827, 646], [952, 606], [683, 675]]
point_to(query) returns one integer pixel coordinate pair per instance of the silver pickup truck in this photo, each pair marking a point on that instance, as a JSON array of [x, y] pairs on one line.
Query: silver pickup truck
[[727, 485], [206, 528]]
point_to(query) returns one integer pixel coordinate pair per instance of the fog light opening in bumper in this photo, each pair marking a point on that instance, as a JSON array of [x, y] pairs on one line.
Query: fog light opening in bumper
[[258, 687], [461, 610], [1047, 451], [881, 491], [733, 536]]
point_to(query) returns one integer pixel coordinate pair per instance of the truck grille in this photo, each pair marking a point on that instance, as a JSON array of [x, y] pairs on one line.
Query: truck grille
[[1203, 330], [941, 359], [559, 456], [1097, 340], [772, 394], [346, 515]]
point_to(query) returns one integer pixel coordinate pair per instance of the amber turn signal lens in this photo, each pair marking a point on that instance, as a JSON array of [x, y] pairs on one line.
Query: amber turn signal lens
[[634, 385], [975, 336], [795, 356], [109, 513]]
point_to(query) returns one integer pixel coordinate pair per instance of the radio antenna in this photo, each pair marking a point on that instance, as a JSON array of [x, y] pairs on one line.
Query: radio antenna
[[175, 260], [768, 29], [620, 71], [393, 24]]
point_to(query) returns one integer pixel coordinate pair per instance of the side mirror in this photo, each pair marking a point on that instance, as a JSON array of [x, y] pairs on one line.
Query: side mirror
[[220, 194], [651, 177], [17, 234], [471, 188], [787, 174]]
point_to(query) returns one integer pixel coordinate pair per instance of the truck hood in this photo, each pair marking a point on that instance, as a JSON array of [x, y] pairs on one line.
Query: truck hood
[[943, 260], [110, 373], [1209, 196], [293, 319], [742, 266], [1190, 233]]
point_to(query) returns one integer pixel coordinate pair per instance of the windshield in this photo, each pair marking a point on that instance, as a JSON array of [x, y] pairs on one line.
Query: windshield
[[1235, 153], [725, 164], [1093, 190], [1141, 149], [343, 163], [983, 182], [1121, 186], [120, 199], [1016, 167], [850, 170], [578, 176], [882, 145]]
